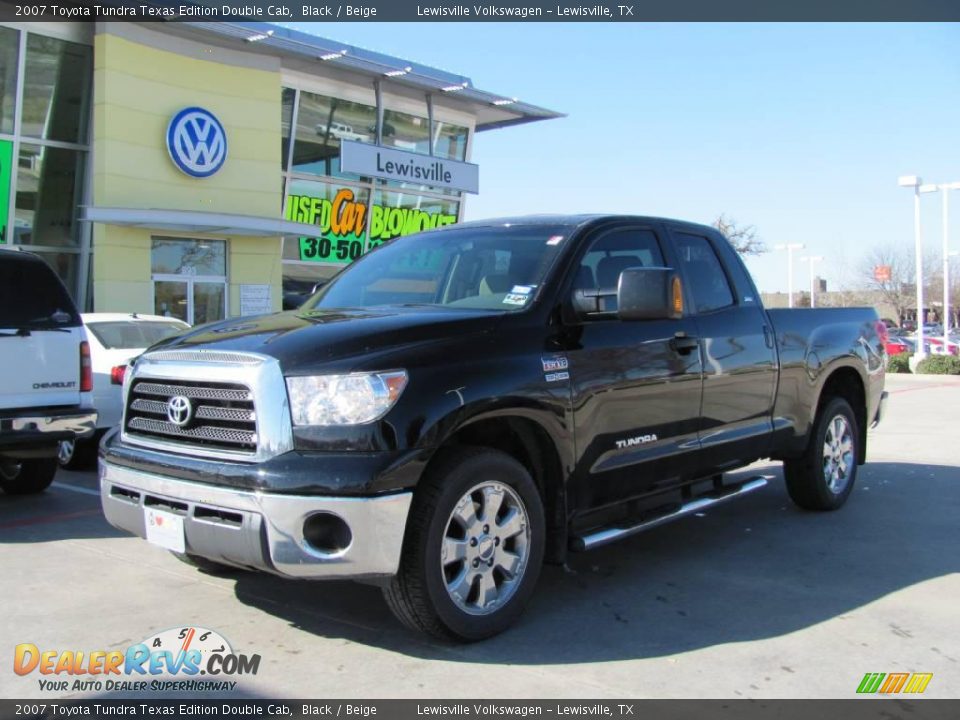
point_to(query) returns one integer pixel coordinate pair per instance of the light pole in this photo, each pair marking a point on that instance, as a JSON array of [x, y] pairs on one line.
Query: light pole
[[812, 260], [790, 248], [914, 181], [945, 189]]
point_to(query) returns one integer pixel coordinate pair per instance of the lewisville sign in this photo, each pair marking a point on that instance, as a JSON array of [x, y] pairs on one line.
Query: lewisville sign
[[376, 161]]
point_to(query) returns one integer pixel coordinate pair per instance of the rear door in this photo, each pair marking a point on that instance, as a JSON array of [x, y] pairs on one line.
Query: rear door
[[737, 346], [40, 335]]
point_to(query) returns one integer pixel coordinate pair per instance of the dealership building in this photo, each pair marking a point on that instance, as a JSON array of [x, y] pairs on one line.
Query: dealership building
[[199, 169]]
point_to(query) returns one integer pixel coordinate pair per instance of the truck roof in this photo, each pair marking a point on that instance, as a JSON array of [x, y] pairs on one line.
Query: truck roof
[[572, 220]]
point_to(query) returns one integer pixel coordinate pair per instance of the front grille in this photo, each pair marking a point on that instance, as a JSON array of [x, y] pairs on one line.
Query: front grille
[[223, 415]]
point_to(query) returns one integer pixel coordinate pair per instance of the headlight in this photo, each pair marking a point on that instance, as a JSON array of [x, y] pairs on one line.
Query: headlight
[[343, 399]]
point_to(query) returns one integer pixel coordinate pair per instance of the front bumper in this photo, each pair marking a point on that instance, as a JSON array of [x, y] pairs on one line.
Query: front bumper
[[258, 530], [34, 427]]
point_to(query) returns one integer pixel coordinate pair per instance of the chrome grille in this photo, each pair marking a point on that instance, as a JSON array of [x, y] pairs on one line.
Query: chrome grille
[[223, 415]]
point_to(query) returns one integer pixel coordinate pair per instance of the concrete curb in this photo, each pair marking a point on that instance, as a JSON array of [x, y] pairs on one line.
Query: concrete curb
[[910, 377]]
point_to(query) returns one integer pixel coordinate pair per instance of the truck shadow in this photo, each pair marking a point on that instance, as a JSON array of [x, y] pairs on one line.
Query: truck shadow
[[756, 568]]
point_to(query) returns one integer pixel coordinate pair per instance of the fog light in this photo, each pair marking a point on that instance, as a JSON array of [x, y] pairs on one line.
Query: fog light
[[327, 533]]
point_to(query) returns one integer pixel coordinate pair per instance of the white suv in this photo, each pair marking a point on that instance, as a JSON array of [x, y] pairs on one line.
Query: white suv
[[46, 380]]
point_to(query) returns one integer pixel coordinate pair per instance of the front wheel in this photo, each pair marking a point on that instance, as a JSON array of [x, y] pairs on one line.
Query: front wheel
[[473, 548], [823, 477]]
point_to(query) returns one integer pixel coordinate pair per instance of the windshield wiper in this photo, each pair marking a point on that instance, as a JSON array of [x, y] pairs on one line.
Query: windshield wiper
[[24, 328]]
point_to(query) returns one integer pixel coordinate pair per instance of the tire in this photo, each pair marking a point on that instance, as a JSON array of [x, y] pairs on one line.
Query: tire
[[34, 476], [481, 508], [78, 454], [823, 478], [204, 565]]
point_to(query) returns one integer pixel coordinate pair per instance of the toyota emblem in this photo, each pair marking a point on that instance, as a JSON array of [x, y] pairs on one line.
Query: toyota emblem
[[179, 410]]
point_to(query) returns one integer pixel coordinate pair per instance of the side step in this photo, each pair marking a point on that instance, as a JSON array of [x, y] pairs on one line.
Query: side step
[[612, 534]]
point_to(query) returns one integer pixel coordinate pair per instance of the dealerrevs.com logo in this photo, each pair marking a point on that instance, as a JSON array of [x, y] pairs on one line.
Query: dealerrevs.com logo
[[186, 659]]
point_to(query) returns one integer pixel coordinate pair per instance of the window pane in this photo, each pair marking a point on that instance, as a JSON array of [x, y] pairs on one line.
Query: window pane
[[6, 175], [395, 214], [406, 132], [48, 190], [613, 253], [56, 89], [208, 302], [170, 299], [704, 273], [322, 122], [29, 291], [451, 140], [172, 256], [286, 120], [9, 50], [340, 214]]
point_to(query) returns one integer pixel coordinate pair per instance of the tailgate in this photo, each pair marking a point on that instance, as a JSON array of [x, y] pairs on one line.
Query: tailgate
[[41, 368]]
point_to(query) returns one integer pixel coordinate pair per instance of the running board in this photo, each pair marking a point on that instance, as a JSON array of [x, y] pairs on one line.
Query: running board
[[608, 535]]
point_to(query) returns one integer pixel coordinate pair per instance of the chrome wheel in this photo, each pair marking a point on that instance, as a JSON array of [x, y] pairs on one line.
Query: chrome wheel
[[65, 451], [486, 547], [838, 454]]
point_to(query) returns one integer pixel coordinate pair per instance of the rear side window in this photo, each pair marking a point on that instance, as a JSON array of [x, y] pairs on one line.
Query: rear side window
[[704, 273], [121, 335], [31, 295]]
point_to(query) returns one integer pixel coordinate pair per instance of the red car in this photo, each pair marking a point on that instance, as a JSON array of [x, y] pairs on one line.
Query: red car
[[895, 346]]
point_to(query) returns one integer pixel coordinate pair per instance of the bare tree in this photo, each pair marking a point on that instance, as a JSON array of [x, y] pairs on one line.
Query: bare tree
[[743, 238], [898, 286]]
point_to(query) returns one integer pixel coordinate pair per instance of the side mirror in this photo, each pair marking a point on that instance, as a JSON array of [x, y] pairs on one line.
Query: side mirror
[[653, 293]]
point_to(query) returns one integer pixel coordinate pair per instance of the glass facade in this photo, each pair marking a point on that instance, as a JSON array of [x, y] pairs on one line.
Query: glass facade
[[9, 52], [45, 94], [354, 214]]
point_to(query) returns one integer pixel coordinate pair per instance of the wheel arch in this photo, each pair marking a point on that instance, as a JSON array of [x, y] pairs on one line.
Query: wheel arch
[[846, 382], [526, 440]]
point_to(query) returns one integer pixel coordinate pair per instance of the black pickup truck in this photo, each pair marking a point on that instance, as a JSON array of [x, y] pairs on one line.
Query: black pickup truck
[[459, 406]]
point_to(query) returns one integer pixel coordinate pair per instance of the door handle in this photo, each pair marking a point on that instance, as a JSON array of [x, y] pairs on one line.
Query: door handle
[[767, 337], [683, 343]]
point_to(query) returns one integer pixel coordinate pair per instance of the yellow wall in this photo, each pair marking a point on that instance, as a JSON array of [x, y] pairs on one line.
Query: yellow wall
[[137, 89]]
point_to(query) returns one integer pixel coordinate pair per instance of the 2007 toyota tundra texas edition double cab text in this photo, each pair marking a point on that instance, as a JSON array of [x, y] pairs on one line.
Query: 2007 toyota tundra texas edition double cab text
[[459, 406]]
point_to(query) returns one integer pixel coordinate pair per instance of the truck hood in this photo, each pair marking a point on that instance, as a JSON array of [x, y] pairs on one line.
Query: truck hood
[[300, 339]]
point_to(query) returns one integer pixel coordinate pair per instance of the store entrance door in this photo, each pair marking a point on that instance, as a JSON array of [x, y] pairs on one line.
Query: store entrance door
[[189, 279]]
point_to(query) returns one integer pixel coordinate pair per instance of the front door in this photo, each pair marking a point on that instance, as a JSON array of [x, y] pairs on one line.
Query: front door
[[635, 392], [189, 279]]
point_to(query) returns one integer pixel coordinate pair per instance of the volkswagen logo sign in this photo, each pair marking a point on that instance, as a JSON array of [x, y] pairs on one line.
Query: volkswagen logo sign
[[196, 142], [179, 410]]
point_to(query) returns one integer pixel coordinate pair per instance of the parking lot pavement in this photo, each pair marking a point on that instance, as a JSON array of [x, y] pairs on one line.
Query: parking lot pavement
[[755, 599]]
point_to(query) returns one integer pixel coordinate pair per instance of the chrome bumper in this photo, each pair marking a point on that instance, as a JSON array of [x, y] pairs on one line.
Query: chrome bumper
[[259, 530], [55, 426]]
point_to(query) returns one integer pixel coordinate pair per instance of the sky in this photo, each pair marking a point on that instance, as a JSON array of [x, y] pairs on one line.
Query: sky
[[800, 130]]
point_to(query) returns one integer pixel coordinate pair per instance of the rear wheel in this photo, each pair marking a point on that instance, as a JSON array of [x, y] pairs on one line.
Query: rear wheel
[[473, 549], [823, 478], [77, 454], [28, 476]]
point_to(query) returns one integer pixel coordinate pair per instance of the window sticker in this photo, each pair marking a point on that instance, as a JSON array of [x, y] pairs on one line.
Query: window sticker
[[515, 299]]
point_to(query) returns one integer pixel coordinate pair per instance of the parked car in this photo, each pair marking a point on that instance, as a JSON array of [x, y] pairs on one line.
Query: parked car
[[114, 339], [896, 345], [46, 379], [457, 406]]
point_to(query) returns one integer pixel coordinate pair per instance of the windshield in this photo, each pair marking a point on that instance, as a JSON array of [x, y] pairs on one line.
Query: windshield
[[486, 268], [132, 335]]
